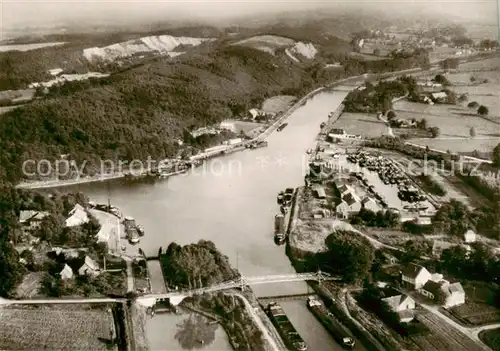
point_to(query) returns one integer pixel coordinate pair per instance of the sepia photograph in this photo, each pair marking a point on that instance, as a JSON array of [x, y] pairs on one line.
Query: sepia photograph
[[250, 175]]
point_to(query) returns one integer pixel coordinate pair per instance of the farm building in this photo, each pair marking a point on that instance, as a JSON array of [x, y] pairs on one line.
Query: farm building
[[31, 220], [254, 113], [448, 295], [424, 220], [369, 204], [470, 236], [55, 71], [228, 125], [89, 267], [403, 305], [415, 276], [439, 96], [350, 205], [203, 131], [345, 189], [66, 273], [77, 216], [320, 193]]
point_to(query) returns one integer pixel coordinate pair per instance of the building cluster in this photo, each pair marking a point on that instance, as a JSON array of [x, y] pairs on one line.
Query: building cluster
[[432, 285]]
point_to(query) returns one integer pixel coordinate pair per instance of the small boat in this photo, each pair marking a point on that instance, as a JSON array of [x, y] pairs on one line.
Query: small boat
[[309, 151], [284, 209], [322, 125], [140, 230], [279, 238], [281, 127]]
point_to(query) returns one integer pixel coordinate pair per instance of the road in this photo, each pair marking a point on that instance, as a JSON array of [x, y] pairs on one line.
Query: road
[[59, 301], [260, 324]]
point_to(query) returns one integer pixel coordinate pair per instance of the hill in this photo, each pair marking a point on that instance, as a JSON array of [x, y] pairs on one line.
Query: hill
[[142, 111]]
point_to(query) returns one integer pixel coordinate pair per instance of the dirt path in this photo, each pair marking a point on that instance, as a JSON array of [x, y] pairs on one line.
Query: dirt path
[[265, 332]]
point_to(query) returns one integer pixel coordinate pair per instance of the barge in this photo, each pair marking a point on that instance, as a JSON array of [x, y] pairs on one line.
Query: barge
[[287, 331], [281, 127], [279, 229], [339, 333]]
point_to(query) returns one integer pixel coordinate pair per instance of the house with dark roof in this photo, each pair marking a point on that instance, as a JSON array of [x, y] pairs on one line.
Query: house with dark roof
[[31, 220], [349, 205], [415, 276], [448, 295]]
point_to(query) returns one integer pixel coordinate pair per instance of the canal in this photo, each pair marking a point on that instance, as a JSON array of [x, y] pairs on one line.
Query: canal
[[232, 202]]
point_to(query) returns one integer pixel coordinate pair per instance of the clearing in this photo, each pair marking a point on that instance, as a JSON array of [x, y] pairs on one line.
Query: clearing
[[479, 307], [454, 122], [69, 327], [366, 125], [28, 47], [266, 43], [277, 104], [30, 286]]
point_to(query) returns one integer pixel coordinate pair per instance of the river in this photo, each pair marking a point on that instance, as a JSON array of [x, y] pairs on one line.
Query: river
[[232, 202]]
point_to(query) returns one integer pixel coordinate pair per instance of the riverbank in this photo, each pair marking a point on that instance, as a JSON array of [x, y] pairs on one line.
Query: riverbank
[[212, 154]]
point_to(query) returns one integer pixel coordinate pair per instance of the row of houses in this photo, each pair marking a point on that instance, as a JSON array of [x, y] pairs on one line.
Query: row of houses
[[432, 285], [31, 220]]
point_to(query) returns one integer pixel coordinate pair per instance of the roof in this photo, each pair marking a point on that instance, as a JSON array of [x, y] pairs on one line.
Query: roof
[[433, 287], [439, 95], [90, 263], [344, 188], [66, 271], [320, 192], [337, 131], [368, 200], [394, 301], [441, 245], [456, 288], [350, 199], [412, 270], [78, 216], [26, 216], [470, 232]]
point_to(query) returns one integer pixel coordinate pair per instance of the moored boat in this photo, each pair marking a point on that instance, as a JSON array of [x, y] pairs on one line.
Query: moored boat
[[339, 333], [287, 331]]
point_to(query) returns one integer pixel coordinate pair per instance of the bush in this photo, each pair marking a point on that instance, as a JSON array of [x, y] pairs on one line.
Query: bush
[[473, 104], [435, 131], [482, 110]]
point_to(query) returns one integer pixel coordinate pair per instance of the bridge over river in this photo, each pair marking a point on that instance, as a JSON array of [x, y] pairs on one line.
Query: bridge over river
[[175, 297]]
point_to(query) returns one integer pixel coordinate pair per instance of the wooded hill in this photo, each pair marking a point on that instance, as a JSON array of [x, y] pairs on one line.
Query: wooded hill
[[142, 111]]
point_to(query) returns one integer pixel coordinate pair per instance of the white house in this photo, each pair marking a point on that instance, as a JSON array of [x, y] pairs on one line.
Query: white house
[[55, 71], [370, 204], [470, 236], [89, 267], [403, 305], [439, 96], [349, 205], [415, 276], [77, 216], [449, 295], [66, 272], [254, 113], [228, 125]]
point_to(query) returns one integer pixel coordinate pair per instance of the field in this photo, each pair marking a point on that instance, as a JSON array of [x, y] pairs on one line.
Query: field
[[69, 327], [27, 47], [478, 309], [491, 338], [277, 104], [266, 43], [365, 57], [454, 123], [364, 124], [443, 337], [17, 95]]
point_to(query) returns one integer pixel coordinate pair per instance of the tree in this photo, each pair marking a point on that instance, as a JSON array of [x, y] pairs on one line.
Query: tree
[[473, 104], [11, 271], [472, 132], [422, 124], [435, 131], [376, 52], [463, 98], [440, 79], [482, 110], [391, 115], [496, 156], [450, 63]]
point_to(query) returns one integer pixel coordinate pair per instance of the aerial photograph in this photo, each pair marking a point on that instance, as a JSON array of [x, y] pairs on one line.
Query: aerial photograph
[[247, 175]]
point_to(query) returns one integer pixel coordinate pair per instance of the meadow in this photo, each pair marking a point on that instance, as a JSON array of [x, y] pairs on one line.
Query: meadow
[[68, 327]]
